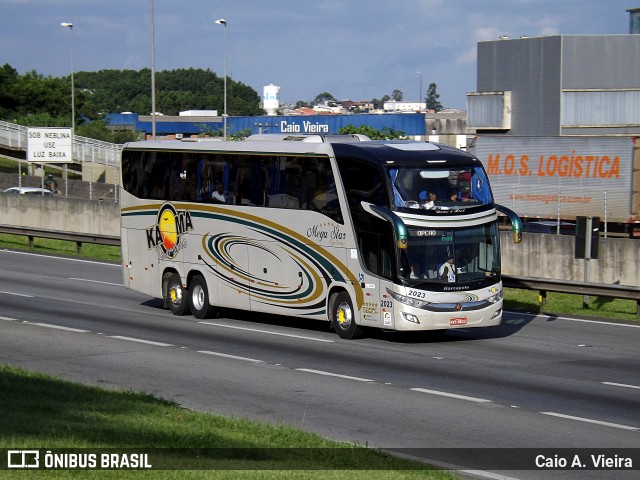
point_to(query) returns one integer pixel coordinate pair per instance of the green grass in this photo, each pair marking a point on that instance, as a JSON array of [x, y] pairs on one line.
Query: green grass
[[42, 412], [10, 165], [49, 246], [568, 304]]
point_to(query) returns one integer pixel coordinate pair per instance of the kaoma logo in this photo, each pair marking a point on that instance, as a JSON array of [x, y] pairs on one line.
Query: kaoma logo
[[166, 234]]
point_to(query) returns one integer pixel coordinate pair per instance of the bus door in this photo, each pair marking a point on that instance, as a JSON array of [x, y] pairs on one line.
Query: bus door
[[376, 256]]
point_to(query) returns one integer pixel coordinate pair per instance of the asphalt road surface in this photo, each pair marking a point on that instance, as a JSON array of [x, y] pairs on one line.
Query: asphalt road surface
[[537, 383]]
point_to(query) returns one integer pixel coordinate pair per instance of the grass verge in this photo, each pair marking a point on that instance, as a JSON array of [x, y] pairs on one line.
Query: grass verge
[[572, 305], [48, 246], [49, 413]]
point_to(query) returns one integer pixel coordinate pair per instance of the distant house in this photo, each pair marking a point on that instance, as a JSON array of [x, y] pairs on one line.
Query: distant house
[[404, 107]]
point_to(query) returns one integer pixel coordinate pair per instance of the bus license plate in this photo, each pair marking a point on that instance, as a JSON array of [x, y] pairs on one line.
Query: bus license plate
[[458, 321]]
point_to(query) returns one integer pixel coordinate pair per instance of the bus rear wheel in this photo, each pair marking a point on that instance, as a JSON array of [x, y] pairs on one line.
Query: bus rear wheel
[[177, 295], [199, 298], [343, 318]]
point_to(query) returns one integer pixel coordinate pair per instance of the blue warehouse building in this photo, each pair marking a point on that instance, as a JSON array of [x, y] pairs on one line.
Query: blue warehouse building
[[412, 124]]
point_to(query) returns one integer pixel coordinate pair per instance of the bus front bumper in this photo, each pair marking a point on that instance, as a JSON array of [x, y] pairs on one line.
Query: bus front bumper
[[408, 318]]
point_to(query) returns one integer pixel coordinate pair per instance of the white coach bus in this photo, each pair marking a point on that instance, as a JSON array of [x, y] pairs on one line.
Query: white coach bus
[[392, 235]]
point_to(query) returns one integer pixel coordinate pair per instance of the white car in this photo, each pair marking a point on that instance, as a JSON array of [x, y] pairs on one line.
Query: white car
[[29, 191]]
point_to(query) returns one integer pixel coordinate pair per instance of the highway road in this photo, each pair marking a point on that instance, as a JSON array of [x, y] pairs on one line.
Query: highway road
[[534, 382]]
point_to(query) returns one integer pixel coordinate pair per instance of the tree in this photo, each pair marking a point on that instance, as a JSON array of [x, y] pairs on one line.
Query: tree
[[397, 95], [432, 99], [385, 134], [324, 97]]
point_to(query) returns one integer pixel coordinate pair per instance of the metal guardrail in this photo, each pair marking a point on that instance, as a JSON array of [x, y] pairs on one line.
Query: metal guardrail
[[542, 285], [85, 150], [79, 238]]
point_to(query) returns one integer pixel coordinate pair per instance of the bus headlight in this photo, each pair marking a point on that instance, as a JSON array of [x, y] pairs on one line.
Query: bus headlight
[[410, 318], [495, 298], [412, 302]]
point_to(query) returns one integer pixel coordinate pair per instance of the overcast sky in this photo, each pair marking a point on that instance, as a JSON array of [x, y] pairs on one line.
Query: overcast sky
[[353, 49]]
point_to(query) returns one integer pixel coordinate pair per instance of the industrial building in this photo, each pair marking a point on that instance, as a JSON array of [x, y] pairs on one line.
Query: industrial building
[[557, 85]]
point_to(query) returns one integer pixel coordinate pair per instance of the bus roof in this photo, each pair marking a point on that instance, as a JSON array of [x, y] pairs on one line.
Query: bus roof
[[387, 153], [380, 152]]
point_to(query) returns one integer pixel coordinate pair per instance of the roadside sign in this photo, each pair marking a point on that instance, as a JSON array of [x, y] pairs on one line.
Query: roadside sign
[[49, 145]]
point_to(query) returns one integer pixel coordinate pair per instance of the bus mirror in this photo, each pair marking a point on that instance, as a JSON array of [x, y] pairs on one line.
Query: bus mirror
[[399, 228], [516, 223]]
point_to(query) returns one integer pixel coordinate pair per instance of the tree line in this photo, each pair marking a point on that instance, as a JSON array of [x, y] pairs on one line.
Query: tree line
[[32, 99], [431, 99]]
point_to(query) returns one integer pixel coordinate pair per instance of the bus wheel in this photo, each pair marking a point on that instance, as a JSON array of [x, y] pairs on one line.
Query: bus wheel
[[342, 317], [177, 295], [199, 298]]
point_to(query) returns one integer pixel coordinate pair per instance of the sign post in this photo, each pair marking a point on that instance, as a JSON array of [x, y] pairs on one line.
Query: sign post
[[587, 235], [49, 145]]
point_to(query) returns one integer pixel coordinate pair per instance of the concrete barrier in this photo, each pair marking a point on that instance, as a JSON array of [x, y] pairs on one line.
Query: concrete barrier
[[552, 256], [63, 214], [539, 255]]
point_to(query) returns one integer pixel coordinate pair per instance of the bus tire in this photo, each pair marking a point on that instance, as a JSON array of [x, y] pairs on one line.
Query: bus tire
[[199, 298], [343, 317], [177, 295]]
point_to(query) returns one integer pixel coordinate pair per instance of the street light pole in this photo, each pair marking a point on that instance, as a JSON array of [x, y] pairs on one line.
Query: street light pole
[[73, 106], [420, 97], [223, 22], [153, 76], [73, 103]]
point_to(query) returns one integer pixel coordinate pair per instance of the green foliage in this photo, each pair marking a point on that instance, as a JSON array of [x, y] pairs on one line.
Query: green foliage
[[208, 131], [98, 129], [377, 104], [324, 97], [385, 134], [432, 98], [397, 95], [32, 99]]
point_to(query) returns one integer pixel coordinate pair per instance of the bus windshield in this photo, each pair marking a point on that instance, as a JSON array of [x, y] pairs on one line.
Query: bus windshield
[[439, 189], [451, 256]]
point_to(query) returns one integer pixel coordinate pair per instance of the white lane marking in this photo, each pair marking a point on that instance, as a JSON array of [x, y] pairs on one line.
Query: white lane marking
[[58, 327], [329, 374], [621, 385], [449, 466], [268, 332], [140, 340], [611, 324], [8, 319], [16, 252], [234, 357], [598, 322], [96, 281], [589, 420], [451, 395], [16, 294]]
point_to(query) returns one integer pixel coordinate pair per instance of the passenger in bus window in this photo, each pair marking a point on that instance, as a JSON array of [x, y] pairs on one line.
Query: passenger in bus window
[[218, 194], [427, 200], [447, 269]]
